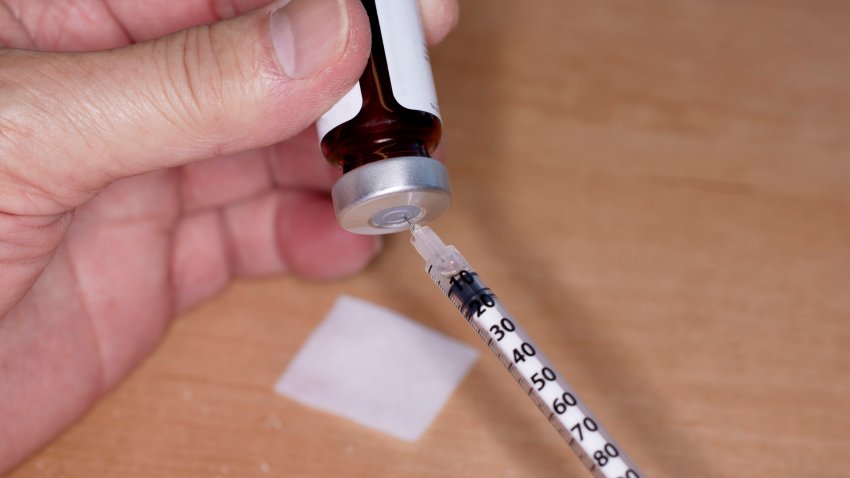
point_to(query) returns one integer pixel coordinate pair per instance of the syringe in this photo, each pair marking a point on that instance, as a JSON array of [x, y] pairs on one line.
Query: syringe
[[522, 357]]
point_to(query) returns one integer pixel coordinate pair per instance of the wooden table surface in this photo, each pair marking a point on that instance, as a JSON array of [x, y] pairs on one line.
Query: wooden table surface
[[658, 190]]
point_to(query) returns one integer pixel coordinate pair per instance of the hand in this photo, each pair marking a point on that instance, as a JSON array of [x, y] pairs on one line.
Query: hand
[[109, 222]]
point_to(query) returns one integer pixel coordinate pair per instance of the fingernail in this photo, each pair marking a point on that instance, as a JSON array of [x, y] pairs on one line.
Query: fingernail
[[307, 35]]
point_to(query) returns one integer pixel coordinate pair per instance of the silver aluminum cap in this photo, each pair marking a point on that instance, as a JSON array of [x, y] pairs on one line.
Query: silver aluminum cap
[[383, 196]]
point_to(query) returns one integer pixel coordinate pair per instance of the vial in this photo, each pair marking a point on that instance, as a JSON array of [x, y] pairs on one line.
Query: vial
[[383, 131]]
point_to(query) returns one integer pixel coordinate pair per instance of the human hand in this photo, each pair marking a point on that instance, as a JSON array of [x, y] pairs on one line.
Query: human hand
[[110, 224]]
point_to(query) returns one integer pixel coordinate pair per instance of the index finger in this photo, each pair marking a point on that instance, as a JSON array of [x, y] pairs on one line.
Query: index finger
[[155, 18]]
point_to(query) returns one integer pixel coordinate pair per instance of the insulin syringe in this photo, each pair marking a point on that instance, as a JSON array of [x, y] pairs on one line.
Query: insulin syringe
[[522, 357]]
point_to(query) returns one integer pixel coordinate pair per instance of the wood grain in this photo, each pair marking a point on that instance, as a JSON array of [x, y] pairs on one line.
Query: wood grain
[[658, 191]]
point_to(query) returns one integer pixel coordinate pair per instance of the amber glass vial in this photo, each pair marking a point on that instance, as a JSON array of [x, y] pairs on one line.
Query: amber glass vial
[[383, 132]]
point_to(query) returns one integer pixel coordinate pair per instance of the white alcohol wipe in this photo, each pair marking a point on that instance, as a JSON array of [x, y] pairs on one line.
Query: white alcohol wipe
[[378, 368]]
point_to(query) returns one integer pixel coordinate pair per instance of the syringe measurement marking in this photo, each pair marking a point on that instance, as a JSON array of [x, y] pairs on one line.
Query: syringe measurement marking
[[477, 302]]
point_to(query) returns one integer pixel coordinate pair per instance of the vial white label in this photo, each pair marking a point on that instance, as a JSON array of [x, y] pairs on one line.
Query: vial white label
[[344, 110], [407, 62], [407, 55]]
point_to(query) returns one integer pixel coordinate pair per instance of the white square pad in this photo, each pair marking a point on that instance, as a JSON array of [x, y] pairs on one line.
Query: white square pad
[[378, 368]]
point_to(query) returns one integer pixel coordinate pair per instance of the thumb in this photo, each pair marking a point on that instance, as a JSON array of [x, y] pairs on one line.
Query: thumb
[[70, 123]]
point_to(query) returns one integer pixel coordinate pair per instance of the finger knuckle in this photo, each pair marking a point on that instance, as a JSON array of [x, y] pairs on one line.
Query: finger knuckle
[[199, 76]]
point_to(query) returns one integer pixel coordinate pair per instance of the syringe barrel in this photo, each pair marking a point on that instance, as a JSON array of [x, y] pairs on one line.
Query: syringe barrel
[[524, 359]]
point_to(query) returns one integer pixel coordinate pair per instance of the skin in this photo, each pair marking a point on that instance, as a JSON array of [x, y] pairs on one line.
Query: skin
[[138, 182]]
